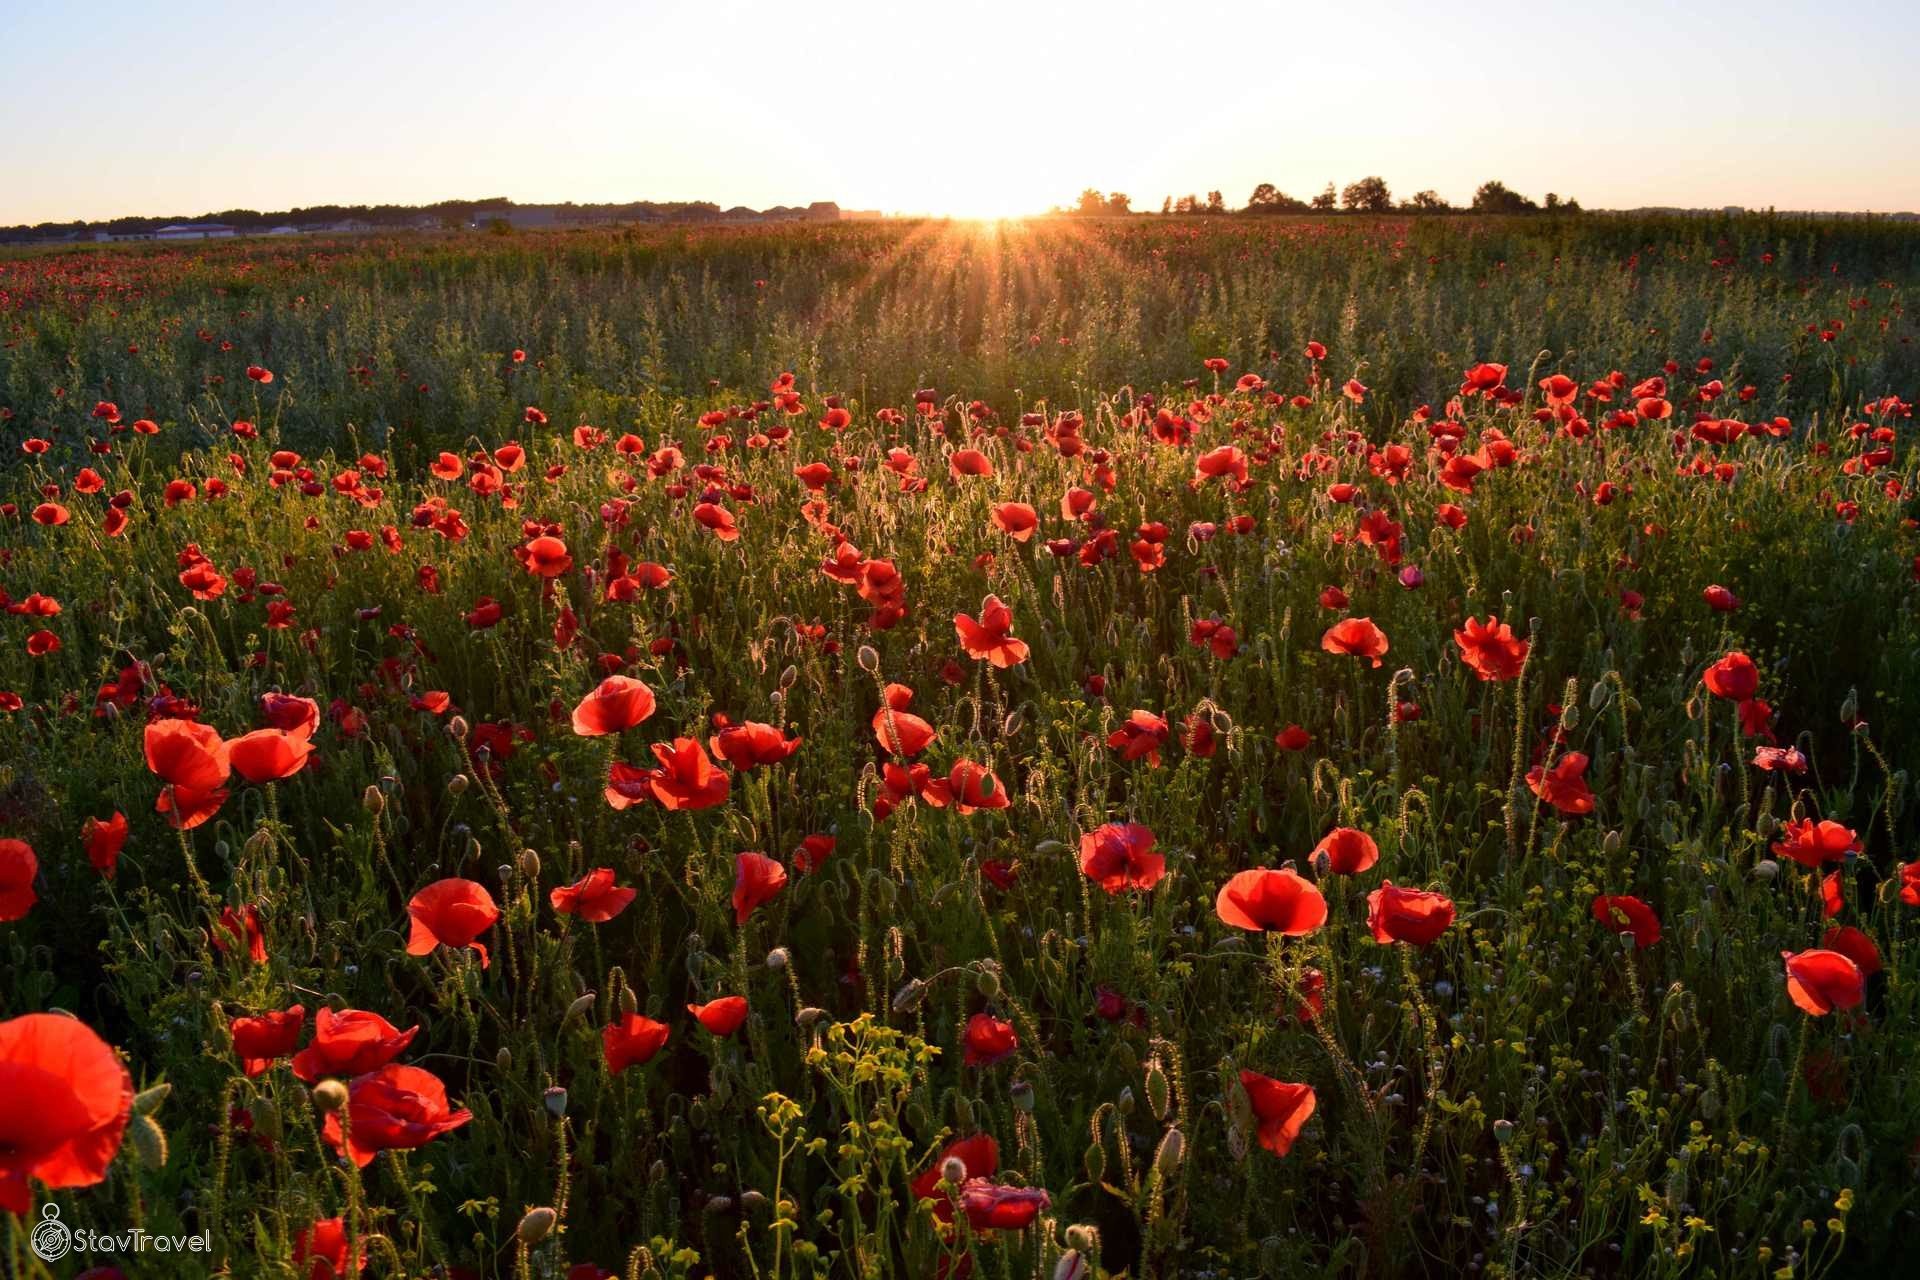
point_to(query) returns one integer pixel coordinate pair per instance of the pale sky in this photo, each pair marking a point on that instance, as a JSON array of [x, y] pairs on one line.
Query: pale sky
[[981, 108]]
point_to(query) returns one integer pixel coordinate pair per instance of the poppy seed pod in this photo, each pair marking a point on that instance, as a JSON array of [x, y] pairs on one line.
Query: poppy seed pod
[[1124, 1103], [1503, 1131], [777, 959], [953, 1171], [1020, 1092], [536, 1225], [457, 728], [457, 785], [987, 983], [329, 1096], [555, 1100], [869, 659], [909, 996], [752, 1201]]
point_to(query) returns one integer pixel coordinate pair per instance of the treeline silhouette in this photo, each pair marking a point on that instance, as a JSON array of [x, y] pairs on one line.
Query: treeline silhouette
[[1368, 195]]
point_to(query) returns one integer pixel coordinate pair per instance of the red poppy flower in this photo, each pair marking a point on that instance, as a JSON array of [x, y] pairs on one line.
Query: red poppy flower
[[756, 879], [68, 1101], [1812, 844], [42, 643], [324, 1244], [813, 853], [686, 778], [546, 557], [1356, 636], [393, 1108], [1628, 915], [1720, 600], [718, 520], [1565, 785], [991, 638], [187, 754], [259, 1041], [632, 1041], [1120, 855], [1280, 1109], [1266, 900], [103, 842], [990, 1206], [1855, 945], [1347, 850], [616, 704], [752, 743], [1822, 981], [1141, 734], [979, 1157], [241, 928], [969, 462], [723, 1016], [594, 897], [972, 787], [451, 913], [351, 1042], [290, 713], [1016, 519], [268, 755], [1491, 649], [1407, 915], [897, 729], [1734, 678], [1292, 738], [18, 867], [988, 1040]]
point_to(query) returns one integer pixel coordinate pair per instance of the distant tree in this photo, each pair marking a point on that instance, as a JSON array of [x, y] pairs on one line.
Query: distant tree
[[1119, 202], [1187, 204], [1494, 197], [1426, 202], [1267, 198], [1166, 206], [1216, 203], [1369, 195], [1324, 201], [1092, 202], [1552, 203]]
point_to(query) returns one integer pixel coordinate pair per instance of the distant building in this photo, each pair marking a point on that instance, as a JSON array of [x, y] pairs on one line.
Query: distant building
[[194, 231], [861, 215]]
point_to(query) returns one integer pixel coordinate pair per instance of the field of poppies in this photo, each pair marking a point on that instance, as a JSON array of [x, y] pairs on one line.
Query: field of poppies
[[1154, 747]]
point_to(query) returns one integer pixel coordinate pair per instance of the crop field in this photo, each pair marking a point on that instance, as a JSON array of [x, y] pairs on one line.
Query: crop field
[[1159, 746]]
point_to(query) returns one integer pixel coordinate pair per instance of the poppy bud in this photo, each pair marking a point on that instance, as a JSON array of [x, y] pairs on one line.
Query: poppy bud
[[580, 1008], [953, 1170], [266, 1119], [787, 677], [1083, 1236], [1611, 842], [457, 728], [149, 1141], [1014, 723], [1021, 1093], [808, 1016], [909, 996], [1765, 869], [1124, 1103], [529, 864], [720, 1204], [1850, 707], [536, 1225], [556, 1099], [1173, 1148], [629, 1003], [1157, 1091], [504, 1059], [329, 1095], [1503, 1131], [372, 801], [1096, 1162], [987, 983], [148, 1101], [1047, 848], [777, 959], [869, 659], [752, 1201], [457, 785]]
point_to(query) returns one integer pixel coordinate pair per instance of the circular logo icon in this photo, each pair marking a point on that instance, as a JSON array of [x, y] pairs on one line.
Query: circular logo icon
[[51, 1237]]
